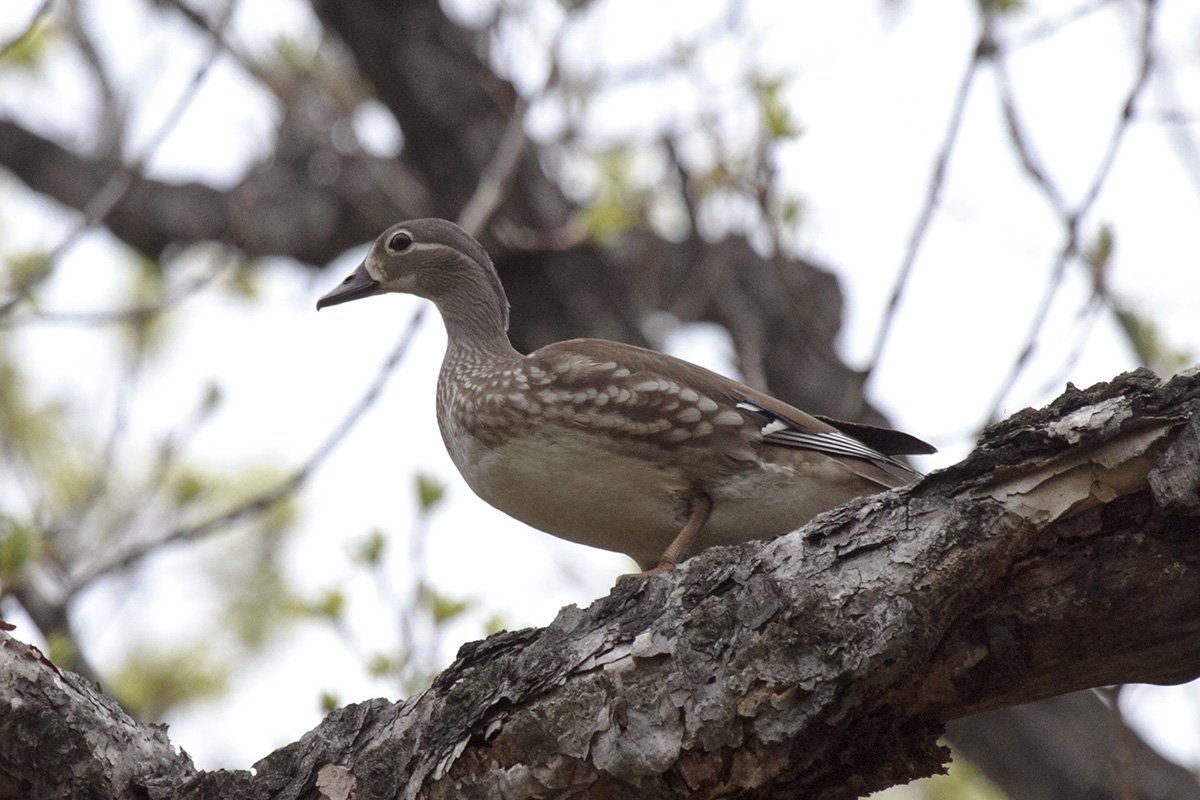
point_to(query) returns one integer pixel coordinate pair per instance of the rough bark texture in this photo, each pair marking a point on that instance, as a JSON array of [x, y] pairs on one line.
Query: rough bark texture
[[1063, 553]]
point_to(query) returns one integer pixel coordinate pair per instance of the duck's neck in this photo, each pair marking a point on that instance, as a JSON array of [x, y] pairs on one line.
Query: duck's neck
[[475, 312], [478, 354], [475, 325]]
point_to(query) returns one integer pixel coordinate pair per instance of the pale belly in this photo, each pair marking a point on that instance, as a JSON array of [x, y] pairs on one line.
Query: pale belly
[[579, 492]]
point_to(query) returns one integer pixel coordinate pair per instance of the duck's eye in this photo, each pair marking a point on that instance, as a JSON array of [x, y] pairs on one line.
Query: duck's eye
[[399, 242]]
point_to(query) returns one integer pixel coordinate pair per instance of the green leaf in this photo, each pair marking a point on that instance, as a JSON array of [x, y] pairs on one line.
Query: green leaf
[[329, 702], [213, 397], [1098, 256], [620, 200], [606, 218], [1148, 344], [429, 491], [789, 211], [243, 279], [22, 270], [60, 648], [494, 624], [776, 117], [332, 604], [371, 549], [440, 606], [381, 665], [187, 486], [296, 55], [28, 51]]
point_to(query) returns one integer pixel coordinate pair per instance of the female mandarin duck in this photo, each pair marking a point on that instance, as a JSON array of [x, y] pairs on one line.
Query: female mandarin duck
[[612, 445]]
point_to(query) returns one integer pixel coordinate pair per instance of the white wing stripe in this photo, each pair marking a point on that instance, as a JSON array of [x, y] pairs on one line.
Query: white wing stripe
[[777, 430], [838, 443]]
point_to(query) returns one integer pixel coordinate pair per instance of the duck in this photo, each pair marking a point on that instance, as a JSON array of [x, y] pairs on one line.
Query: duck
[[612, 445]]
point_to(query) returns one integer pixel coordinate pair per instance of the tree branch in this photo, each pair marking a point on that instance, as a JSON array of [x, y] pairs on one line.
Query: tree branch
[[275, 210], [1022, 749], [1063, 553]]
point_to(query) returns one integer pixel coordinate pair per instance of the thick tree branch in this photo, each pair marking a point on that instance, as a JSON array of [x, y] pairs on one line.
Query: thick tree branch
[[61, 737], [1071, 747], [1063, 553], [275, 210]]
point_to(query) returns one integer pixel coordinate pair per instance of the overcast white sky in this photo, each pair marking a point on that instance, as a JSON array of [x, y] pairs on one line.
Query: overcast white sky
[[872, 89]]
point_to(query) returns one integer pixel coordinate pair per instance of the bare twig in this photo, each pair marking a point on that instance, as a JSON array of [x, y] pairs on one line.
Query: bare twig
[[1085, 321], [118, 185], [933, 197], [1071, 218], [1049, 27], [1178, 127], [134, 313], [218, 33], [1020, 140], [494, 182], [385, 177], [263, 501], [110, 127]]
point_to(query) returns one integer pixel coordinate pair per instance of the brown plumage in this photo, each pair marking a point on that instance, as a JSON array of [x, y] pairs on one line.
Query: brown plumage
[[612, 445]]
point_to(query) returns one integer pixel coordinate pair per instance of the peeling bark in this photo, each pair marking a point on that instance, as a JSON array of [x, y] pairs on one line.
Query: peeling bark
[[1063, 553]]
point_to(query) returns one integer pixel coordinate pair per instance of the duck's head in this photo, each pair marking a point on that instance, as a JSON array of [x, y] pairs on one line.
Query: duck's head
[[431, 258]]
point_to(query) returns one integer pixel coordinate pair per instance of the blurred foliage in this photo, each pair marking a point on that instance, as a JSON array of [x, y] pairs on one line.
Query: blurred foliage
[[243, 279], [775, 115], [76, 492], [430, 492], [620, 198], [23, 270], [22, 419], [19, 544], [153, 679], [1003, 6], [410, 655], [1148, 344], [1140, 332], [295, 55], [1098, 256], [371, 548], [27, 51], [330, 604], [144, 326], [441, 607], [260, 605], [61, 648]]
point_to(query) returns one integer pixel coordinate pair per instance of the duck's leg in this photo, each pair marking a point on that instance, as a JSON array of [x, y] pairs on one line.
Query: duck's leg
[[699, 507]]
